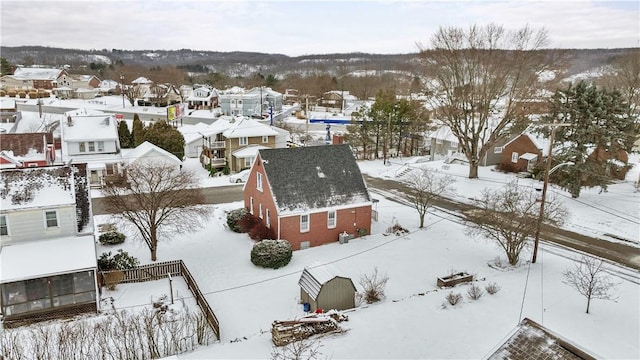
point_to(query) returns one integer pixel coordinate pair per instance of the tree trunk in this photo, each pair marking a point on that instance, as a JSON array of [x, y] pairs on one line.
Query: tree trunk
[[588, 303], [473, 170], [154, 242], [421, 221]]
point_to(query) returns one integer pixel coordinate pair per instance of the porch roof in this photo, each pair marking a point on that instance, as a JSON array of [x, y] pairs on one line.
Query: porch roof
[[47, 257], [528, 156]]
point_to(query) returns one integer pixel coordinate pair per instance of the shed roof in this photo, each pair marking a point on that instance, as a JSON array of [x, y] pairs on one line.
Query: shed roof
[[314, 277]]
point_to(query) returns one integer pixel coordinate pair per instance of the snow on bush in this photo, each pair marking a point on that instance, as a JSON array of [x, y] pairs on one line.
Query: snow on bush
[[271, 253], [233, 217], [112, 238]]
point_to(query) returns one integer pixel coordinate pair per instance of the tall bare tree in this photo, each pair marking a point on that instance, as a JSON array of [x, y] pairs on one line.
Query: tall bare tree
[[133, 92], [508, 216], [475, 76], [588, 276], [425, 187], [157, 198]]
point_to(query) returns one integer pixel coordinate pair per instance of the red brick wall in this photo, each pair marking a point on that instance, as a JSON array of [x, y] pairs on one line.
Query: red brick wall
[[521, 145]]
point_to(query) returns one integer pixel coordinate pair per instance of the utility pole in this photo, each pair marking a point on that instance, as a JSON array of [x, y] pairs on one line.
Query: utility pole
[[306, 115], [547, 171], [122, 88]]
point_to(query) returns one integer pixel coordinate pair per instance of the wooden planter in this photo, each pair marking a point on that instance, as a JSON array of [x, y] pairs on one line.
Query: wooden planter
[[454, 279]]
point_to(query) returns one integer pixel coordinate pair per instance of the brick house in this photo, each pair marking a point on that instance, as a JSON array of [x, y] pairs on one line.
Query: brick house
[[521, 154], [617, 160], [26, 150], [309, 195]]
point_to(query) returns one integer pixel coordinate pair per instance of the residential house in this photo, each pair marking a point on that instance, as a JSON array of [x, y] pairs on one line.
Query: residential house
[[8, 110], [47, 248], [92, 139], [150, 153], [203, 98], [521, 154], [25, 78], [256, 102], [109, 87], [160, 95], [336, 99], [615, 157], [79, 81], [530, 340], [309, 195], [441, 143], [27, 150], [271, 100], [243, 139]]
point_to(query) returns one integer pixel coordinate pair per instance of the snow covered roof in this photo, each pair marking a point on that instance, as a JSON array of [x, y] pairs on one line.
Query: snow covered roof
[[530, 340], [36, 187], [248, 151], [148, 150], [528, 156], [314, 277], [37, 73], [314, 178], [442, 133], [6, 104], [142, 80], [89, 127], [248, 128], [48, 257]]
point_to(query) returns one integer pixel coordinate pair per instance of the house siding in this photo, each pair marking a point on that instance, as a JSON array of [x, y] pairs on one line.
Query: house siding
[[233, 144], [73, 147], [29, 225], [521, 145], [337, 293]]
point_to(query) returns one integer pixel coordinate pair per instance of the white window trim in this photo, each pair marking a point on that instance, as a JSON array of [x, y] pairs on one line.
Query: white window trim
[[44, 214], [514, 157], [91, 146], [497, 150], [242, 141], [6, 222], [100, 146], [251, 205], [267, 218], [335, 219], [259, 181], [265, 139], [260, 211], [306, 228]]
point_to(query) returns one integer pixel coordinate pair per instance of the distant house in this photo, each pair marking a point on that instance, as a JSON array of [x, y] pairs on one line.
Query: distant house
[[322, 288], [92, 139], [530, 340], [203, 98], [25, 78], [336, 99], [615, 158], [309, 195], [47, 248], [76, 82], [442, 144], [28, 149], [522, 153], [150, 153], [243, 136], [255, 102]]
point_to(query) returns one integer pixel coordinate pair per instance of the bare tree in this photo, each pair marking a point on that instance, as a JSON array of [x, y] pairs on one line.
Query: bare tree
[[304, 349], [425, 186], [133, 92], [588, 277], [508, 216], [156, 197], [475, 78]]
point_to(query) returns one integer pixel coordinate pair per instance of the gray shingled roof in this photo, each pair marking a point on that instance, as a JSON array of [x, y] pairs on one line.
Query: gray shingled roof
[[307, 178], [531, 340]]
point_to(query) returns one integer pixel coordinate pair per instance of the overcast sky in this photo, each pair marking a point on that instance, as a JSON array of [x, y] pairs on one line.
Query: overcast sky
[[304, 27]]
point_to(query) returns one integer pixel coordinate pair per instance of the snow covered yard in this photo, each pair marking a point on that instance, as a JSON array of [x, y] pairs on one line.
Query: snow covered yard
[[411, 322]]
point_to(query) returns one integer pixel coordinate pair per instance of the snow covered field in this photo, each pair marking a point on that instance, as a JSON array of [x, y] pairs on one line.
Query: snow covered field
[[411, 322]]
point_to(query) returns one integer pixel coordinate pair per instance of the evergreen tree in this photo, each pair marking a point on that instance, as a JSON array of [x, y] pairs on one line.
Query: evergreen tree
[[137, 134], [167, 137], [124, 135], [6, 68], [598, 123]]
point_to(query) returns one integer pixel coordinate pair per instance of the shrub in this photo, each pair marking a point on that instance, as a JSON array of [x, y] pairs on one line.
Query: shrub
[[233, 217], [453, 299], [120, 261], [271, 253], [111, 238], [247, 222], [373, 285], [474, 292], [260, 231], [492, 288]]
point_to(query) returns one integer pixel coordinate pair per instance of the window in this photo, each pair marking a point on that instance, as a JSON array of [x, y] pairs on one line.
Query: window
[[4, 228], [110, 169], [260, 211], [243, 141], [514, 157], [248, 161], [92, 146], [331, 219], [305, 245], [259, 181], [82, 147], [100, 145], [267, 220], [51, 218], [438, 141], [251, 205], [497, 150], [239, 102], [304, 223], [265, 139]]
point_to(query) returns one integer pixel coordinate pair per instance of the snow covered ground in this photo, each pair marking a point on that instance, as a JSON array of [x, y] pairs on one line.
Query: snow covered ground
[[411, 322]]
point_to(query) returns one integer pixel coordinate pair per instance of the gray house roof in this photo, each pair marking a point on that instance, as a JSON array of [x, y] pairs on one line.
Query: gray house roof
[[530, 340], [313, 178], [313, 278]]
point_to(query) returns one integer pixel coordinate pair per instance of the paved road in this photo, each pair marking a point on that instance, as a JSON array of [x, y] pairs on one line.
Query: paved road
[[617, 252]]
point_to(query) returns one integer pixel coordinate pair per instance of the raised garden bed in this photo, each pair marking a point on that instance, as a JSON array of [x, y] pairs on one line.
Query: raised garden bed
[[454, 279]]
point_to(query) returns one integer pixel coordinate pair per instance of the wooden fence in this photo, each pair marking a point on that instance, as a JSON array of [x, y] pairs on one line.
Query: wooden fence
[[161, 270]]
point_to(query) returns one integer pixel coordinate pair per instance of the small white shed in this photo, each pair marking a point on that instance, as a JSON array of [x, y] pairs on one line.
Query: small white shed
[[321, 288]]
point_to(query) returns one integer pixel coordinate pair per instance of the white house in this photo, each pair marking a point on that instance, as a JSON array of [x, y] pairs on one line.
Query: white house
[[47, 249], [150, 153]]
